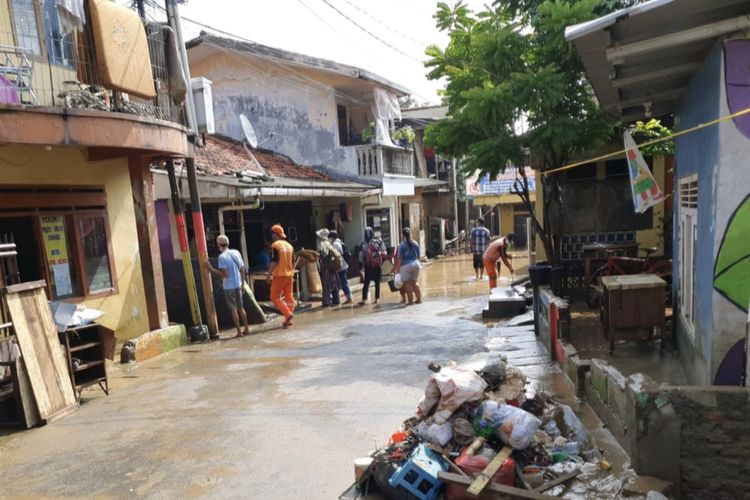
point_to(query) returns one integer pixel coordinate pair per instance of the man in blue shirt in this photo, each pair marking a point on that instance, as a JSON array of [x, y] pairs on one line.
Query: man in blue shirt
[[480, 240], [231, 269]]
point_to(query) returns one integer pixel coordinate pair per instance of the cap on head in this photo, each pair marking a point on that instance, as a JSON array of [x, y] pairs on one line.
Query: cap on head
[[278, 231], [322, 233], [222, 240]]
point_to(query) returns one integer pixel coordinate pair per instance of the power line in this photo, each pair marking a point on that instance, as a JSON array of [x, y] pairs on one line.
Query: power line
[[373, 35], [387, 26], [334, 28]]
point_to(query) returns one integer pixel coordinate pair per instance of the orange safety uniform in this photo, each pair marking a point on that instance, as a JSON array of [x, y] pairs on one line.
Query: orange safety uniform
[[282, 253]]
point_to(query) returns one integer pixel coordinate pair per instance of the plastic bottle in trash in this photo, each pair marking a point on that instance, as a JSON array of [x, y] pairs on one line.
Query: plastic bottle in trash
[[571, 448], [559, 456]]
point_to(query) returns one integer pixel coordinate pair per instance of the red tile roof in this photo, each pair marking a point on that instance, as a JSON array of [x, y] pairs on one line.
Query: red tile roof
[[225, 156]]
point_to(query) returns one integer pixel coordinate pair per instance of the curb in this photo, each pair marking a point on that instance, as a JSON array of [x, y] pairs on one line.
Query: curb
[[153, 343]]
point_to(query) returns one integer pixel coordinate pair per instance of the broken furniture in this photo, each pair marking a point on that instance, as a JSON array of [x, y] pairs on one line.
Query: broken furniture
[[634, 308], [86, 353], [41, 352]]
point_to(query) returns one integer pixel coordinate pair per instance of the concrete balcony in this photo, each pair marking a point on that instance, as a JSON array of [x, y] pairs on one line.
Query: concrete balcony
[[377, 160]]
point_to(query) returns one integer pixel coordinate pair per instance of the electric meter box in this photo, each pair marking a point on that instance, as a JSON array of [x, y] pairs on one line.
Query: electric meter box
[[204, 106]]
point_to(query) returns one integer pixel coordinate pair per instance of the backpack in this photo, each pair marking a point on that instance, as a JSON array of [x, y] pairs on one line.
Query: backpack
[[345, 253], [373, 258]]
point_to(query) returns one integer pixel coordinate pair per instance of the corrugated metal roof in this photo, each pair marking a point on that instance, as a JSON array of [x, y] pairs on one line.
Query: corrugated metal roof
[[640, 60]]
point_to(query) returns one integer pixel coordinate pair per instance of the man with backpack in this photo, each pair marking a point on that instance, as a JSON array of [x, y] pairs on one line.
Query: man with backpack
[[346, 256], [371, 256]]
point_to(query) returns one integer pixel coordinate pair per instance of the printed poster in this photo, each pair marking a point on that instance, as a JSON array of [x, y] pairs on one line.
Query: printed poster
[[56, 251]]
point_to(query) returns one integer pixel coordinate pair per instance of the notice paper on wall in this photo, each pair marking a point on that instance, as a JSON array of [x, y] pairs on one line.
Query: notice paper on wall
[[61, 274], [56, 250]]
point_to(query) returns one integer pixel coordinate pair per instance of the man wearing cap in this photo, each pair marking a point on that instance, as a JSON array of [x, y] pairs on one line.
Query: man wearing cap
[[231, 269], [281, 273]]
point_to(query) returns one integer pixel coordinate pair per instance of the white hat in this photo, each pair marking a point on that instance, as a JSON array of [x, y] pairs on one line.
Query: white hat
[[322, 233]]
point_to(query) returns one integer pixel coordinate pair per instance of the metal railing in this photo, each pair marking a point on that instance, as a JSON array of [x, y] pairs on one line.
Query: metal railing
[[376, 160], [41, 67]]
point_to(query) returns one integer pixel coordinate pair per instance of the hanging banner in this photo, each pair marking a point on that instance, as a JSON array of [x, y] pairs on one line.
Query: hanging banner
[[646, 192], [503, 183]]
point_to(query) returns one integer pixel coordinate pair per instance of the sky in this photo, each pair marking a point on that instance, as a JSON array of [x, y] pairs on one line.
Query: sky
[[314, 28]]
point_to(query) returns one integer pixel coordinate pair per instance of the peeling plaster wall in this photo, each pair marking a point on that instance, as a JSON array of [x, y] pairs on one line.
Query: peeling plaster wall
[[125, 311], [300, 112]]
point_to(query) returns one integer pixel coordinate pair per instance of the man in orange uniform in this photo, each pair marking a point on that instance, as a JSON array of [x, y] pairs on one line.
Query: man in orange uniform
[[497, 250], [281, 273]]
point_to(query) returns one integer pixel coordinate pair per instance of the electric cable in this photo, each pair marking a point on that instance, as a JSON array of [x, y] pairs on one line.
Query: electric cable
[[387, 26], [376, 37]]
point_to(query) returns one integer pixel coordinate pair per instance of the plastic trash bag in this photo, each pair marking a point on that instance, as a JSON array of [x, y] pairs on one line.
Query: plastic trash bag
[[449, 389], [440, 434], [398, 282], [513, 426]]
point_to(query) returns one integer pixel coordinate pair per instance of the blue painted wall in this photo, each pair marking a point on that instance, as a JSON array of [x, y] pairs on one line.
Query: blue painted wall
[[698, 153]]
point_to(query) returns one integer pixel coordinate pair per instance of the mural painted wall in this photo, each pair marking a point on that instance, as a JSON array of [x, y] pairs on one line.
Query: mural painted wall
[[292, 115], [732, 262]]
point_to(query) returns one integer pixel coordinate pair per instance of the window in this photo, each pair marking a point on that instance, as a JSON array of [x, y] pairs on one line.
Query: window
[[59, 46], [25, 26], [63, 237], [76, 249], [687, 238]]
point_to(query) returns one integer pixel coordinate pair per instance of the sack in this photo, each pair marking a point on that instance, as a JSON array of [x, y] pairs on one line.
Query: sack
[[373, 257], [449, 389], [335, 260], [345, 253]]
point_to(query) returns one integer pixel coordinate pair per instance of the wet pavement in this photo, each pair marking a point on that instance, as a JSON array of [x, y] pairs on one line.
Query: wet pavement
[[587, 336], [280, 414]]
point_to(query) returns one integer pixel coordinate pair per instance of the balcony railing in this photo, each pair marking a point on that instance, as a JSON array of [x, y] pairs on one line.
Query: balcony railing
[[48, 70], [376, 160]]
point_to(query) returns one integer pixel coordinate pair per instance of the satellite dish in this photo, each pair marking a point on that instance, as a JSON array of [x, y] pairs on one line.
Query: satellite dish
[[249, 131]]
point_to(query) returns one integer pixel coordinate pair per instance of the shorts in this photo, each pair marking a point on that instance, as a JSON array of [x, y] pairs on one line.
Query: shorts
[[478, 264], [233, 298], [410, 271]]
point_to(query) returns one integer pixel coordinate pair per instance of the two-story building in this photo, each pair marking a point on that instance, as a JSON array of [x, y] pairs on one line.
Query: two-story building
[[83, 113], [313, 111]]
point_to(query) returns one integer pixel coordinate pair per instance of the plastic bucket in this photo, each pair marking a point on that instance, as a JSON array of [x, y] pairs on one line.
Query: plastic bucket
[[540, 274]]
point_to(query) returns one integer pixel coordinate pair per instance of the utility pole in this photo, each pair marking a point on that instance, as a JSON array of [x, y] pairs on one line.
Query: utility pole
[[187, 263], [173, 15], [141, 8]]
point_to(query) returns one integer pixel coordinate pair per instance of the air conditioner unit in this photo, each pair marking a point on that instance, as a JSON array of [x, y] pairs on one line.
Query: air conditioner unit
[[204, 107]]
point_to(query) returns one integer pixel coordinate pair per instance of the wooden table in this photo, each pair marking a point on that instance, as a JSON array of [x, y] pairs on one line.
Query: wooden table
[[633, 307]]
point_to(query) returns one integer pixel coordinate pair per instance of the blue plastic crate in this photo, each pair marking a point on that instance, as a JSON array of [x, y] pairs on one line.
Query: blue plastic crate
[[418, 475]]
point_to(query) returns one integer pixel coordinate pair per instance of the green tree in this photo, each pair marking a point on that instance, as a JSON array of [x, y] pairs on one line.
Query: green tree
[[513, 82]]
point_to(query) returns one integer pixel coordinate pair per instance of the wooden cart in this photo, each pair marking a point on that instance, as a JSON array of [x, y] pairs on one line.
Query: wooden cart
[[633, 308]]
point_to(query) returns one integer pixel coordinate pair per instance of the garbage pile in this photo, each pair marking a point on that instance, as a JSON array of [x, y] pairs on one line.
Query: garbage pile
[[477, 435]]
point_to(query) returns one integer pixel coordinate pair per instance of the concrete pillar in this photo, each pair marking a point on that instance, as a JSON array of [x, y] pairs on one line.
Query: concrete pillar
[[148, 241]]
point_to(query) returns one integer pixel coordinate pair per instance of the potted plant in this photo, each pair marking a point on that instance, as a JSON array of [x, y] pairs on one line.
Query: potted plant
[[368, 133], [404, 135]]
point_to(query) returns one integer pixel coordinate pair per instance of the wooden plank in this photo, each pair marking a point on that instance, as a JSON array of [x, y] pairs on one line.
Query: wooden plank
[[29, 285], [498, 489], [28, 413], [40, 347], [485, 476], [556, 481]]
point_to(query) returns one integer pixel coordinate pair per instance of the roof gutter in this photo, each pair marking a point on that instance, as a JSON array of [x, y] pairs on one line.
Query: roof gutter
[[306, 192]]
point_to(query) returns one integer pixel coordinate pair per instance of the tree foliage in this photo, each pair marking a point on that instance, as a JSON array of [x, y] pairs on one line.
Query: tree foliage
[[513, 82], [650, 130]]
